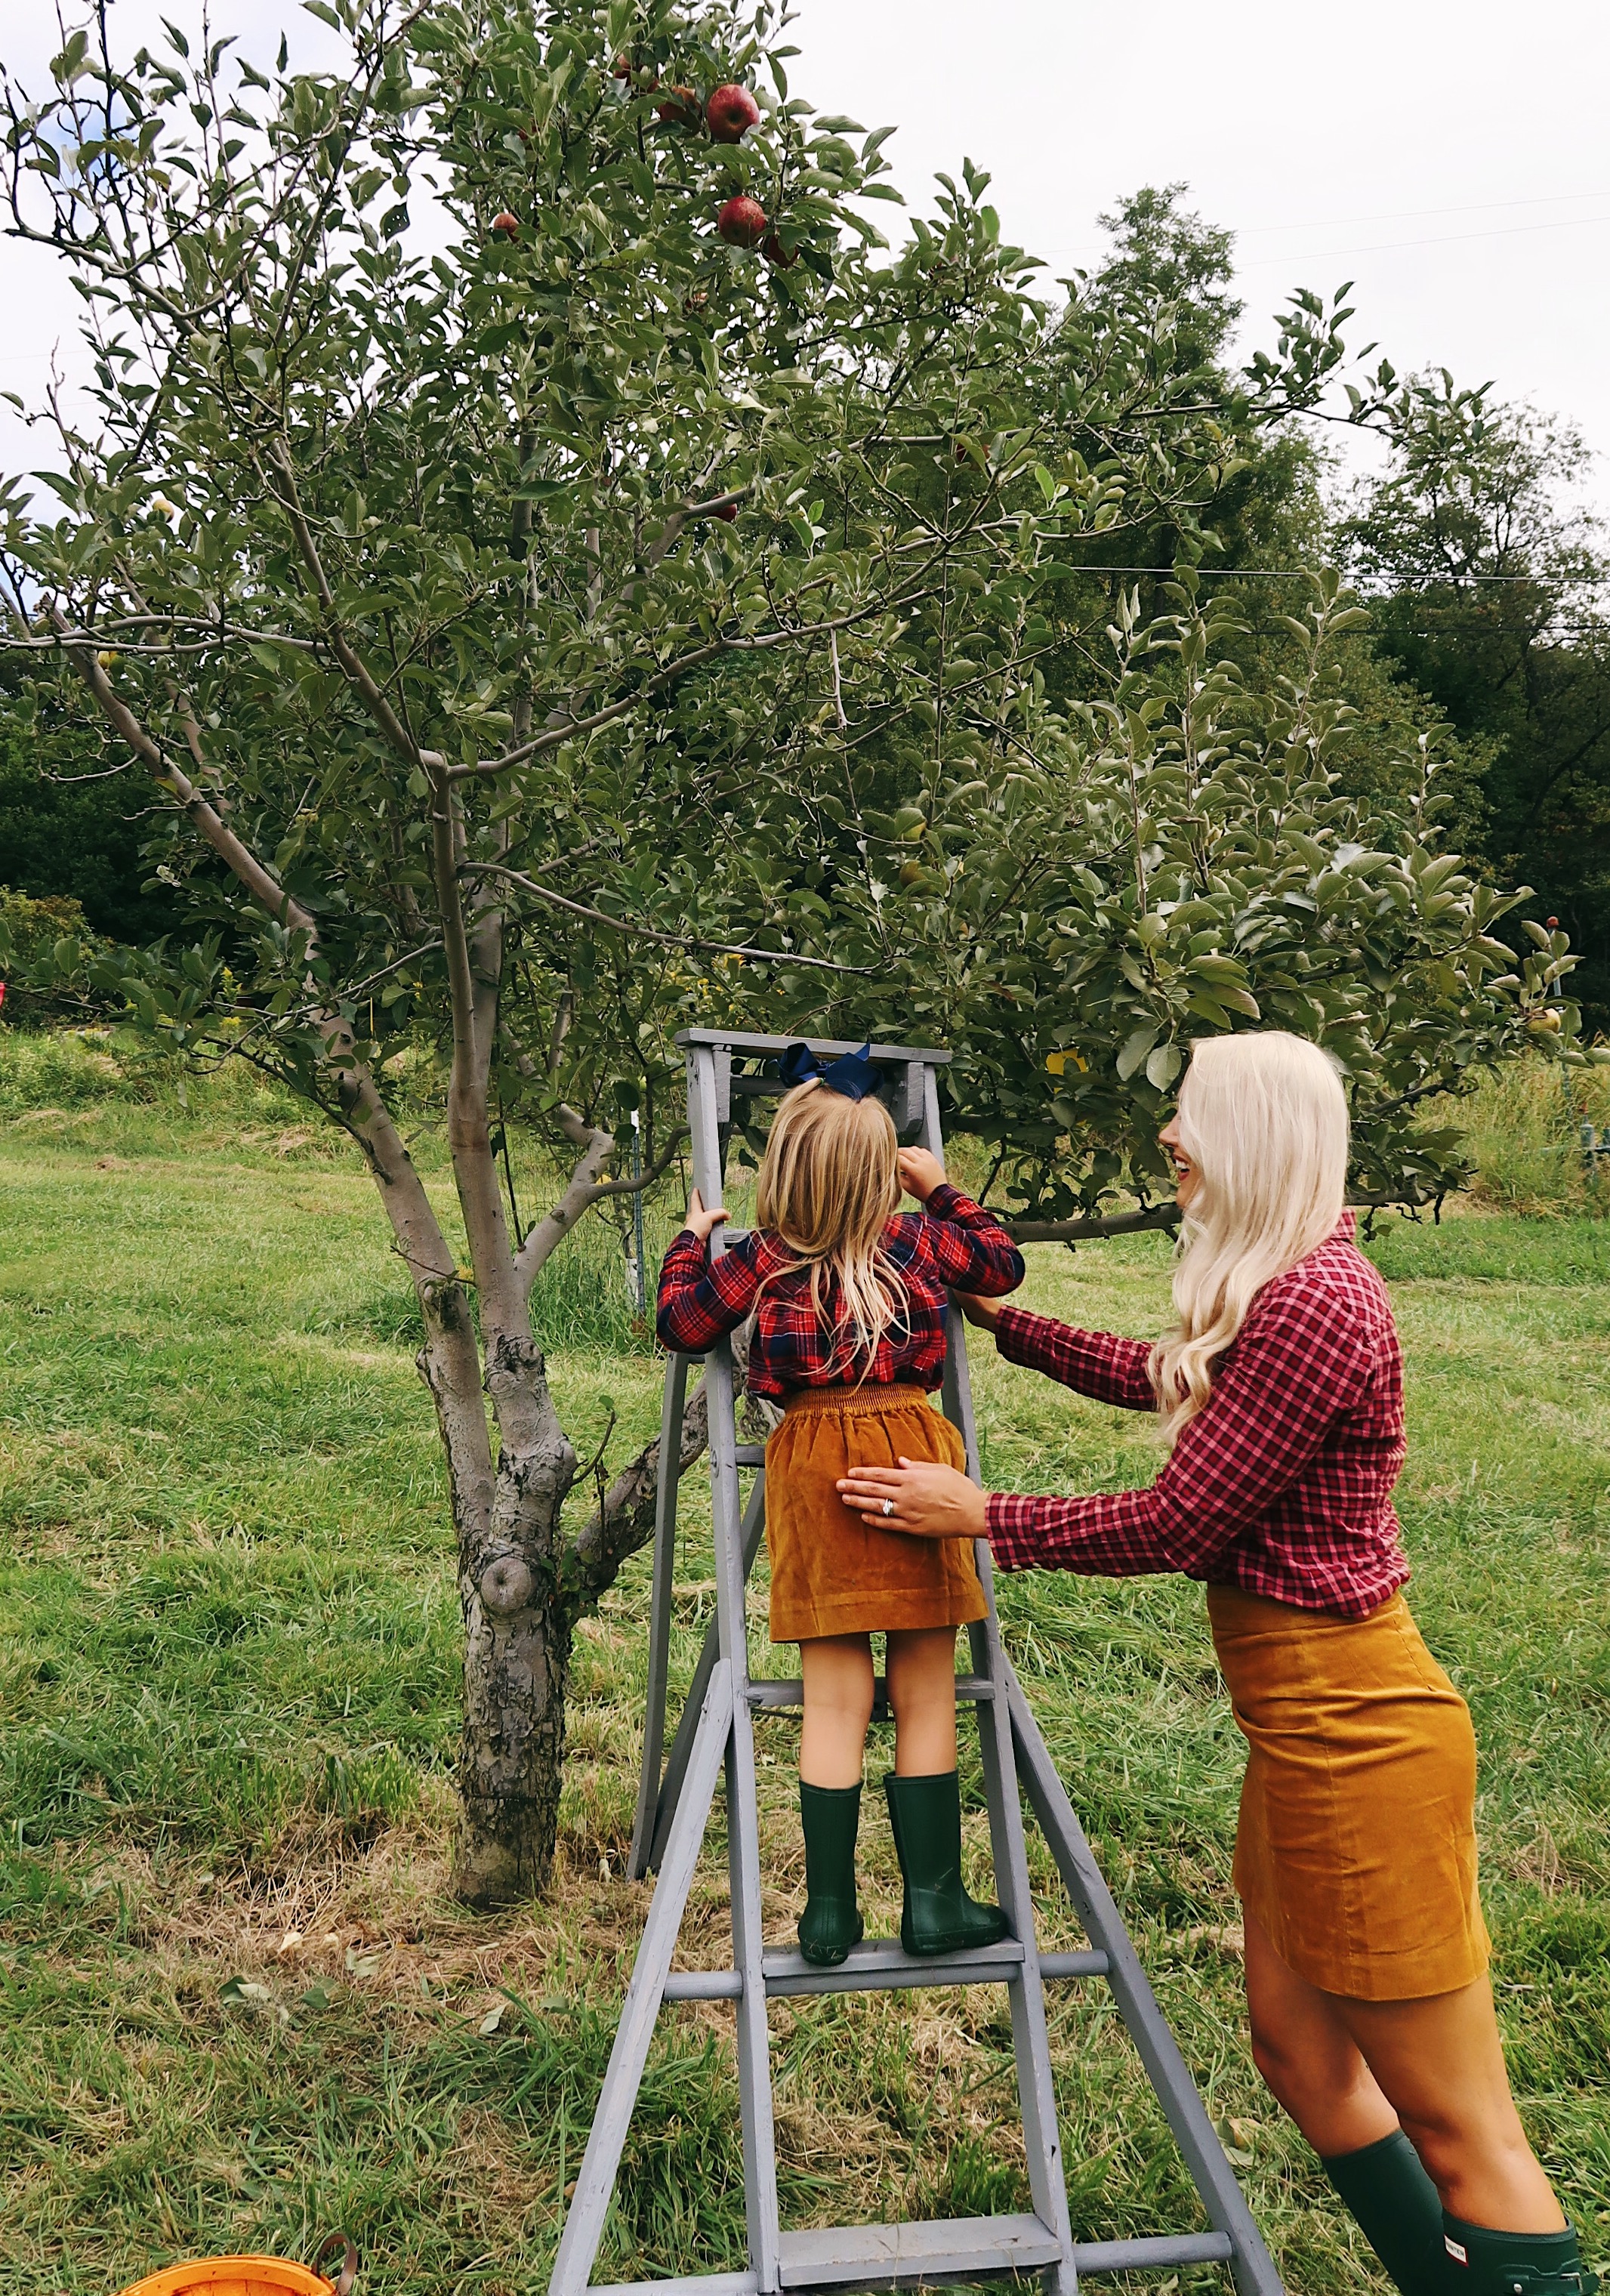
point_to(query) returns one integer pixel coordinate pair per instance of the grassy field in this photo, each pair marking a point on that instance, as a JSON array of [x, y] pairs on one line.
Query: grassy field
[[238, 2005]]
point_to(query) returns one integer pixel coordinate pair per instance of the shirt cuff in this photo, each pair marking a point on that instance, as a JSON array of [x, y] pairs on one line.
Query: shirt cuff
[[943, 1201], [1017, 1330], [1009, 1523]]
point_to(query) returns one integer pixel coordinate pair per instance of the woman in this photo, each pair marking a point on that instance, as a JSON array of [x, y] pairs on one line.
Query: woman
[[1281, 1390]]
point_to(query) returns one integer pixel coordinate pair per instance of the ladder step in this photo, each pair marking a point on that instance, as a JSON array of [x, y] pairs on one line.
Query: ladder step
[[890, 2256], [705, 2284], [751, 1454], [879, 1965], [974, 1688], [1166, 2251]]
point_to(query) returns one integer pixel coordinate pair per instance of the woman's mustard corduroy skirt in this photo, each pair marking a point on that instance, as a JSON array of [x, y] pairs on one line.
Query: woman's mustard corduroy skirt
[[837, 1573], [1356, 1846]]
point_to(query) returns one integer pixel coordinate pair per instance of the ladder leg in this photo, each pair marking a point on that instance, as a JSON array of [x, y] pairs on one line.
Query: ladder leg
[[1031, 2037], [595, 2181], [660, 1612], [743, 1822], [743, 1839], [681, 1744], [1194, 2133]]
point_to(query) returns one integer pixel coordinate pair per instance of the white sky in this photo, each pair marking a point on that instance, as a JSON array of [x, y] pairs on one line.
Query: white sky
[[1451, 158]]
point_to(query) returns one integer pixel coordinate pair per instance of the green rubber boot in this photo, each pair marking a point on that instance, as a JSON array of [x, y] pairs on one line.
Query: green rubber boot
[[1487, 2263], [937, 1916], [830, 1923], [1398, 2208]]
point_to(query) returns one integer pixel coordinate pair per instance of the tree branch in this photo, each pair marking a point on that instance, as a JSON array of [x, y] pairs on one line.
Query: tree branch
[[648, 932], [683, 664], [1076, 1231], [581, 1191]]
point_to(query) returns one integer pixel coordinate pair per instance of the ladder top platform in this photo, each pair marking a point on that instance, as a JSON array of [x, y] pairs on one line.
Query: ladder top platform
[[737, 1040]]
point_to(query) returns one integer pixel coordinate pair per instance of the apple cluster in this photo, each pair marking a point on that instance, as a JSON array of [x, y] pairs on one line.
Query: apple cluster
[[729, 114]]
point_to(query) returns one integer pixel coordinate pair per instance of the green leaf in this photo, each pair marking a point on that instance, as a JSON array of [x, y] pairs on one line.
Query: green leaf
[[1135, 1047]]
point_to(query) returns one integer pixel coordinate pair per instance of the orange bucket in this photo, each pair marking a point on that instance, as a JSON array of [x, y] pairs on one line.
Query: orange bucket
[[253, 2275]]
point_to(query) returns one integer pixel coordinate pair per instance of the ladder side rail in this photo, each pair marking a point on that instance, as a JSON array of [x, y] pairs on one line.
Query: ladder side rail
[[1177, 2093], [1031, 2034], [595, 2180], [743, 1819], [681, 1744], [1031, 2037], [660, 1612]]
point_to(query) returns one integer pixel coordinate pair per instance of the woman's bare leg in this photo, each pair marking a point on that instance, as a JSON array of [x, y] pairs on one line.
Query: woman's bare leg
[[921, 1665], [1308, 2058], [1349, 2072], [1441, 2062], [837, 1671]]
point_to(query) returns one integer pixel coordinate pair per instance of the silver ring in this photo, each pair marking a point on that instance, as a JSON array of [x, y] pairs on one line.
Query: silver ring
[[888, 1507]]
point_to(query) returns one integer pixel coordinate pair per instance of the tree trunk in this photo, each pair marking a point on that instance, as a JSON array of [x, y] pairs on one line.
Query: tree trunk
[[518, 1618]]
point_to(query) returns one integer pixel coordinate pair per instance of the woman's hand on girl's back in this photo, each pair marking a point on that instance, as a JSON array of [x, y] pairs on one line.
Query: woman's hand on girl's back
[[920, 1173], [699, 1222]]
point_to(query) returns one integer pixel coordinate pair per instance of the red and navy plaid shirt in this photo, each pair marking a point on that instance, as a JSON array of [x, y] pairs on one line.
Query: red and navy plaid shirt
[[952, 1242], [1282, 1485]]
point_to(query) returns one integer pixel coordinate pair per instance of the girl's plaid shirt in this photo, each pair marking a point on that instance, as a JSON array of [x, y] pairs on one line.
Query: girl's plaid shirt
[[951, 1242], [1282, 1486]]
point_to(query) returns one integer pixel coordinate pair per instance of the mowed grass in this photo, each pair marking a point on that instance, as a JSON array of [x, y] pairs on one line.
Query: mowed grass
[[238, 2004]]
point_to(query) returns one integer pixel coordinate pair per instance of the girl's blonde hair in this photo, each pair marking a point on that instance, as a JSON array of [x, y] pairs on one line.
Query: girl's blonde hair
[[829, 1186], [1263, 1118]]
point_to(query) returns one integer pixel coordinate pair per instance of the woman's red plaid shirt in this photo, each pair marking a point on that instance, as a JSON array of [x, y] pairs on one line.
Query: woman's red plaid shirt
[[1282, 1485], [952, 1243]]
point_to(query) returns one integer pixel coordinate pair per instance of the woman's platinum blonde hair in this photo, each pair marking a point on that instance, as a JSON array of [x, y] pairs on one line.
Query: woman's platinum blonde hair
[[827, 1187], [1263, 1118]]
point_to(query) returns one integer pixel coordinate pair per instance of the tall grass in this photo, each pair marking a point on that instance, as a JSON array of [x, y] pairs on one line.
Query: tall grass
[[1525, 1125]]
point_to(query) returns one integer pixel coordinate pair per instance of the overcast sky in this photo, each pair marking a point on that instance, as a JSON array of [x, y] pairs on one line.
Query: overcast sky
[[1451, 158]]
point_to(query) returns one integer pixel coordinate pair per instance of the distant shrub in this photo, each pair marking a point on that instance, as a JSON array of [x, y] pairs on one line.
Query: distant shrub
[[58, 1068], [39, 940]]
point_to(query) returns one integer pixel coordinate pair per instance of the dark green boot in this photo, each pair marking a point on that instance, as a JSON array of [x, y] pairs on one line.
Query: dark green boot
[[1398, 2209], [830, 1923], [937, 1916], [1490, 2263]]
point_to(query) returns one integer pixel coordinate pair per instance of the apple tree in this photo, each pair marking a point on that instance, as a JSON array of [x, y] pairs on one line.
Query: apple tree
[[566, 577]]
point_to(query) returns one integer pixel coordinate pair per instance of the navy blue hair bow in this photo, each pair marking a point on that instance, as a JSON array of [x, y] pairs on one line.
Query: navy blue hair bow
[[853, 1074]]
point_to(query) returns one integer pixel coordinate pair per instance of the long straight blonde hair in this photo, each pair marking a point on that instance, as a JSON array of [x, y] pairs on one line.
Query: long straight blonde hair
[[829, 1186], [1263, 1118]]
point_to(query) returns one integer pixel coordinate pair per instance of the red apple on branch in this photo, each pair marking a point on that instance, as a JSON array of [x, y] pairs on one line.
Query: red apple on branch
[[681, 108], [509, 225], [781, 258], [730, 112], [743, 222]]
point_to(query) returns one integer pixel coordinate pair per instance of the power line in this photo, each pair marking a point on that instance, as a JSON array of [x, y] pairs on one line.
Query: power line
[[1387, 215], [1444, 239], [1263, 573]]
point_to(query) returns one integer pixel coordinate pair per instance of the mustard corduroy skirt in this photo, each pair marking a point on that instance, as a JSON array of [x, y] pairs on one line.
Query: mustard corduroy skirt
[[837, 1573], [1356, 1846]]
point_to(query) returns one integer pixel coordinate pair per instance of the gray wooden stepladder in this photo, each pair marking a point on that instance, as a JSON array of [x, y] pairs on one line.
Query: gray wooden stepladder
[[716, 1732]]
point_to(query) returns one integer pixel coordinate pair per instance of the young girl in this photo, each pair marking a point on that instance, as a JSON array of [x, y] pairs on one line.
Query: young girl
[[849, 1333]]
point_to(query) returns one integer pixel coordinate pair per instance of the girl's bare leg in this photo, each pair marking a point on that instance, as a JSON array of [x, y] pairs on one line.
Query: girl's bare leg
[[921, 1664], [837, 1671], [1349, 2072]]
